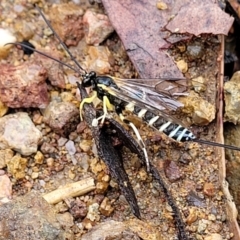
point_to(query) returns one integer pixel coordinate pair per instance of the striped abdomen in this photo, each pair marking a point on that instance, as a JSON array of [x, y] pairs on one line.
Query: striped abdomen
[[172, 130]]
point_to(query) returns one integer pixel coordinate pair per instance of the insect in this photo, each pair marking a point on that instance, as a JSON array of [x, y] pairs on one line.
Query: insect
[[139, 96], [107, 152]]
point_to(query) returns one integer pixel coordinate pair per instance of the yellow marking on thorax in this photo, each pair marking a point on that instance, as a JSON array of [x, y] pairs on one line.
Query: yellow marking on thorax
[[104, 87]]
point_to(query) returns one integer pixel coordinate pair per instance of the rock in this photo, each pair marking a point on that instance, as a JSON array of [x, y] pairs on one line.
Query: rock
[[232, 99], [54, 69], [78, 209], [172, 171], [70, 147], [195, 50], [161, 5], [32, 218], [201, 111], [97, 27], [199, 84], [18, 132], [85, 145], [106, 208], [3, 109], [231, 137], [61, 141], [62, 117], [105, 231], [93, 213], [103, 180], [202, 225], [47, 148], [182, 65], [16, 166], [129, 230], [144, 230], [6, 37], [192, 217], [24, 29], [208, 189], [66, 96], [37, 118], [5, 157], [213, 236], [194, 200], [5, 189], [39, 158], [81, 127], [23, 85], [98, 59], [65, 219], [34, 175], [66, 20]]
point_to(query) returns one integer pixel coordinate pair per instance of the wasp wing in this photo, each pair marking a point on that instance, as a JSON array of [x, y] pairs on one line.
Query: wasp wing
[[145, 90], [145, 102], [169, 87]]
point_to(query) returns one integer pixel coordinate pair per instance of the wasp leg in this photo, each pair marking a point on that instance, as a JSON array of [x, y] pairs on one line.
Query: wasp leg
[[86, 100], [106, 106], [139, 139]]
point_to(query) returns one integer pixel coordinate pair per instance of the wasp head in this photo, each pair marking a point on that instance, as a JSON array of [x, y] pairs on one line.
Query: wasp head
[[89, 79]]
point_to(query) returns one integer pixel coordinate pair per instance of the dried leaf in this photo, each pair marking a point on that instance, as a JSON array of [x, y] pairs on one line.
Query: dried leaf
[[139, 24]]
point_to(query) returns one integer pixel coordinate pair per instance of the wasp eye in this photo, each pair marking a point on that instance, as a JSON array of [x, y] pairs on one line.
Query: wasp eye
[[92, 74]]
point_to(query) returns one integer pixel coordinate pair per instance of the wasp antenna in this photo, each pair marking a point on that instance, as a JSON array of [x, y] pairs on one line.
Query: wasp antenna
[[59, 39], [216, 144], [45, 55]]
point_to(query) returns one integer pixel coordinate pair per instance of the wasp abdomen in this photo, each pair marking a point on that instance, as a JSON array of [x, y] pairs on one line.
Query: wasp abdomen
[[172, 130]]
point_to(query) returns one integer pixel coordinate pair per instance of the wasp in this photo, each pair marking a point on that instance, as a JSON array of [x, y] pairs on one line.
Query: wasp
[[139, 96]]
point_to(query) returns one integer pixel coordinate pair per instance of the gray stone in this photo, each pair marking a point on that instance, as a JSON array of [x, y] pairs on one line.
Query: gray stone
[[29, 217], [62, 117]]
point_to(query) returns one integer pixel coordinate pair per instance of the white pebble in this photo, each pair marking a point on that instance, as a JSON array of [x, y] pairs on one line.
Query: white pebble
[[70, 147], [6, 37]]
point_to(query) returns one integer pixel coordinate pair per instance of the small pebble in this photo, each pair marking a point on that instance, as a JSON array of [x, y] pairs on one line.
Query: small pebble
[[162, 6], [182, 65], [34, 175], [208, 189], [70, 147], [39, 158], [62, 141], [50, 162]]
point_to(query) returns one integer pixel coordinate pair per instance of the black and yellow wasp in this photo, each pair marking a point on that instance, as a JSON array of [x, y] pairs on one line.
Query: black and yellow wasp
[[139, 96]]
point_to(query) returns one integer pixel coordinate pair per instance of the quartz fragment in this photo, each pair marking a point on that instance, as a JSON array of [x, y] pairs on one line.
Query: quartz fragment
[[18, 132], [99, 59], [5, 188], [98, 27], [6, 37]]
